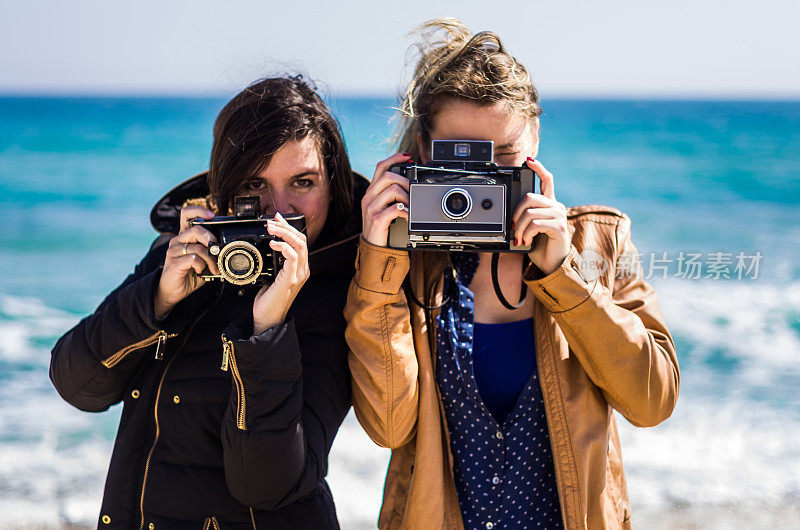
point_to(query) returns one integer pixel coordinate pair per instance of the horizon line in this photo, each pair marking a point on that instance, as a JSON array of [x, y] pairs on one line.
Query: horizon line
[[346, 94]]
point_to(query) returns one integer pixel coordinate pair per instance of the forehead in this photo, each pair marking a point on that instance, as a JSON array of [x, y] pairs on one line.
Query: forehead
[[464, 120], [294, 158]]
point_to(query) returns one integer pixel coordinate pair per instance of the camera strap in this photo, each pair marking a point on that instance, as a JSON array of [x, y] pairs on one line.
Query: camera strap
[[410, 294], [496, 283]]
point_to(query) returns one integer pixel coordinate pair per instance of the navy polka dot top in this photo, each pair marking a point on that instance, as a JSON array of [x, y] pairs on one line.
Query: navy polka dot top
[[503, 470]]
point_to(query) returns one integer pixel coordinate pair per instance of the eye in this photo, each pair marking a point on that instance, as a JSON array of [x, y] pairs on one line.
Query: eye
[[507, 156], [255, 185], [303, 183]]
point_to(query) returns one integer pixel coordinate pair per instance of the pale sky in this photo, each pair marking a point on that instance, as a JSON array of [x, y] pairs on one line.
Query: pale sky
[[699, 48]]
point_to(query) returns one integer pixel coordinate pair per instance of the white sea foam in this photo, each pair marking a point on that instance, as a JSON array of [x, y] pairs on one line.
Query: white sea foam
[[733, 436], [750, 319], [22, 321]]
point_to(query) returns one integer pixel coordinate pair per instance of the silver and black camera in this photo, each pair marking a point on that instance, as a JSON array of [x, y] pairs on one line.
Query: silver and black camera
[[461, 201], [242, 248]]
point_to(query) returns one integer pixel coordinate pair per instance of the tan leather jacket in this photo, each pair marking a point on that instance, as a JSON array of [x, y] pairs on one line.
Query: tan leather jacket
[[601, 345]]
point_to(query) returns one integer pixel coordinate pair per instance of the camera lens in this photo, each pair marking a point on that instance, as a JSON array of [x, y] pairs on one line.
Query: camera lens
[[240, 262], [456, 203]]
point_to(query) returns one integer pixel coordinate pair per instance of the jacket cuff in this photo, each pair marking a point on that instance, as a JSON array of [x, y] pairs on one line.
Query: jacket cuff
[[563, 289], [273, 355], [380, 269], [177, 318], [139, 297]]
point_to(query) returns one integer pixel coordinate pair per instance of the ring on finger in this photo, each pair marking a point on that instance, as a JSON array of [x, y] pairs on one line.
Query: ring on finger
[[184, 252]]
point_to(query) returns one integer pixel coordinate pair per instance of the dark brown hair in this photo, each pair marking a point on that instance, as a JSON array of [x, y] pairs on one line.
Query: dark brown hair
[[260, 120], [454, 63]]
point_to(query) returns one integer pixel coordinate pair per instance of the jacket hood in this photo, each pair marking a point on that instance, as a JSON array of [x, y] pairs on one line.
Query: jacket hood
[[333, 252]]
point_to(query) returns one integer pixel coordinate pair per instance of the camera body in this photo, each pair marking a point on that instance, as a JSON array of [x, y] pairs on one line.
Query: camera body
[[461, 201], [242, 249]]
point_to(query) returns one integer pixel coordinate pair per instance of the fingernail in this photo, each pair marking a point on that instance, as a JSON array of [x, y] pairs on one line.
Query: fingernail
[[513, 224], [516, 242], [531, 159], [406, 154]]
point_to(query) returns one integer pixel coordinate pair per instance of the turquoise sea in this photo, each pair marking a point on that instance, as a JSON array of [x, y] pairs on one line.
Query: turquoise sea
[[716, 179]]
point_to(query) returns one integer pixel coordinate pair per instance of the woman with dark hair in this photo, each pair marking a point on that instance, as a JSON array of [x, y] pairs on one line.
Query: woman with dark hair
[[500, 416], [231, 395]]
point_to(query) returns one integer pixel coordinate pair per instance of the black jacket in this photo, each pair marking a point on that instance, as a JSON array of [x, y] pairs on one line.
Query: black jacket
[[198, 445]]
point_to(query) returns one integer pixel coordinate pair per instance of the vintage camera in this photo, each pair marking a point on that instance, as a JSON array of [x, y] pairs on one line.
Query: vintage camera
[[242, 248], [461, 201]]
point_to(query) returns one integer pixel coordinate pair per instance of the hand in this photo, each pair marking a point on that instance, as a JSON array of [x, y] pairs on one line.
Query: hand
[[272, 302], [187, 257], [543, 219], [382, 201]]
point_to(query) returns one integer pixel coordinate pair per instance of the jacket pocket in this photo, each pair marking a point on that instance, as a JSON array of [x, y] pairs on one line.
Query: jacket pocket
[[158, 338]]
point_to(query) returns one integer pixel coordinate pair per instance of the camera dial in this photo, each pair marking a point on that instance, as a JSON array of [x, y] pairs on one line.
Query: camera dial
[[457, 203]]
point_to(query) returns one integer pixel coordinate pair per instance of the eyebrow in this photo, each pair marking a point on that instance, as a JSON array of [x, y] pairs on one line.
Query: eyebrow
[[305, 174], [302, 174], [506, 146]]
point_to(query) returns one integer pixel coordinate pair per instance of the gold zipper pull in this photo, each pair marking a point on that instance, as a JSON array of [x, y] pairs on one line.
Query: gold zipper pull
[[226, 352], [162, 338]]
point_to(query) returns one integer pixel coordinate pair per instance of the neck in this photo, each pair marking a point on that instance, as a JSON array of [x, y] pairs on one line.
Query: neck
[[488, 309]]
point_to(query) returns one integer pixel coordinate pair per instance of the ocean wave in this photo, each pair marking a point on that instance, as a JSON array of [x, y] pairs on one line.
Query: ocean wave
[[28, 327], [755, 321]]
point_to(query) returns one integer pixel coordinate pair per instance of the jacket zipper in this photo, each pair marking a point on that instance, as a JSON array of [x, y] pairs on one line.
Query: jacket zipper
[[548, 414], [160, 337], [214, 522], [207, 524], [227, 347], [229, 359], [158, 396], [155, 441]]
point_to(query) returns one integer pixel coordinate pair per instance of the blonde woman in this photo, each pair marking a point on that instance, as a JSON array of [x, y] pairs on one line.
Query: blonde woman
[[500, 418]]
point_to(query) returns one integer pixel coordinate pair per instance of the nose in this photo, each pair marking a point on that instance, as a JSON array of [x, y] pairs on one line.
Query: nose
[[277, 201]]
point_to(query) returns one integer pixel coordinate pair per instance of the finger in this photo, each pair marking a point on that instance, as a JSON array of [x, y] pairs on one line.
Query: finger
[[281, 221], [189, 263], [533, 213], [191, 212], [546, 183], [289, 234], [378, 186], [195, 234], [290, 263], [392, 194], [535, 200], [382, 220], [384, 165], [549, 227], [177, 251]]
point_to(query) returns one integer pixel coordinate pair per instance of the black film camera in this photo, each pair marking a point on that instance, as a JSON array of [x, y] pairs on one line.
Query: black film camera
[[461, 201], [242, 249]]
